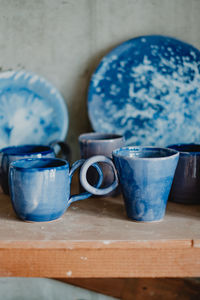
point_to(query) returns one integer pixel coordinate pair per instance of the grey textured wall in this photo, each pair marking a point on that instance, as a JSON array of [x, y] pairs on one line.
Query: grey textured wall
[[44, 289], [64, 40]]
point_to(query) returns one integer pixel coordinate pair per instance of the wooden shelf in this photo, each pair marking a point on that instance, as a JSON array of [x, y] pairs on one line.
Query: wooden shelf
[[94, 239]]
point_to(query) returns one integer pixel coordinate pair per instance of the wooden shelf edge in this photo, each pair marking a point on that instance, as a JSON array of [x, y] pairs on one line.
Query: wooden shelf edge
[[97, 244], [100, 263]]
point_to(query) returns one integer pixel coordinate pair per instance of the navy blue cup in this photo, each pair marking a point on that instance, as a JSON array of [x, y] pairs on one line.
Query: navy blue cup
[[10, 154], [40, 187], [186, 185], [145, 176]]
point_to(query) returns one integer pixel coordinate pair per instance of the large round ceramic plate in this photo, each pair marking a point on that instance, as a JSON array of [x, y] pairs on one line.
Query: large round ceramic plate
[[32, 111], [148, 89]]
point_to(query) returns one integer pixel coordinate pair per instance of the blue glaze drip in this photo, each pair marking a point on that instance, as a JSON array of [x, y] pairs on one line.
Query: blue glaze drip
[[145, 176]]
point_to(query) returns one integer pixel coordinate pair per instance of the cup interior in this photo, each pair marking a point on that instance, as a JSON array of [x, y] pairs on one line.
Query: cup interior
[[143, 152], [191, 148], [26, 150], [38, 163], [95, 136]]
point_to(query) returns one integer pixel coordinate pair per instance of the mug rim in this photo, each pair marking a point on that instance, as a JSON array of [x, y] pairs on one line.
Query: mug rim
[[17, 164], [86, 137], [186, 153], [172, 152], [47, 150]]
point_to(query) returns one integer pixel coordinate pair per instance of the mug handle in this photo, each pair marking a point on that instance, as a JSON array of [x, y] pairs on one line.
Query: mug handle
[[64, 147], [4, 165], [84, 195], [89, 187]]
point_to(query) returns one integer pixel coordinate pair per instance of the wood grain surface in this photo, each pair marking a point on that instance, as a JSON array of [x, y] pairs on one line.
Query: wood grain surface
[[140, 289], [95, 239]]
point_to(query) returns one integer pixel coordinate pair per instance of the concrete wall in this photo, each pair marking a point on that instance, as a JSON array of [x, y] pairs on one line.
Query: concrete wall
[[43, 289], [64, 40]]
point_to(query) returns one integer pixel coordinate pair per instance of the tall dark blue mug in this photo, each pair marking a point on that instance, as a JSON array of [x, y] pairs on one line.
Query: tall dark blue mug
[[13, 153], [145, 176], [186, 184], [40, 187]]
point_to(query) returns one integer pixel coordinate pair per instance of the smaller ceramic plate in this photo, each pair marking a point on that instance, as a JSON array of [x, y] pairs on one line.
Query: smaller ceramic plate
[[32, 111]]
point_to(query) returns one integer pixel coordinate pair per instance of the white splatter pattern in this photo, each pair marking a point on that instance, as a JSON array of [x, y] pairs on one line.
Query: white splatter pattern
[[149, 90]]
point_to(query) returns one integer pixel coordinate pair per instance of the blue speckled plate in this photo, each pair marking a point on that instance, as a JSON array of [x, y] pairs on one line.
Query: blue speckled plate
[[32, 111], [148, 89]]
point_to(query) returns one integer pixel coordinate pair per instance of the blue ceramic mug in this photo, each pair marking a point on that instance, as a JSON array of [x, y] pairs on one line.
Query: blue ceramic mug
[[186, 183], [10, 154], [40, 187], [145, 176]]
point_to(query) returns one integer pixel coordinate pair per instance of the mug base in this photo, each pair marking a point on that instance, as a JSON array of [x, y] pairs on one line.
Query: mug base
[[145, 221], [141, 221], [39, 219], [50, 221]]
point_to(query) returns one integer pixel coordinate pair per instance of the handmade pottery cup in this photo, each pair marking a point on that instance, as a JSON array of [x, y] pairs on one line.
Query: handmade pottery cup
[[186, 183], [10, 154], [40, 187], [145, 176], [95, 143]]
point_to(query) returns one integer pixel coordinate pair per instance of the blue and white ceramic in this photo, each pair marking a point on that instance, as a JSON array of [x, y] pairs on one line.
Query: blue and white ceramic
[[32, 111], [145, 176], [40, 188], [148, 89], [186, 184]]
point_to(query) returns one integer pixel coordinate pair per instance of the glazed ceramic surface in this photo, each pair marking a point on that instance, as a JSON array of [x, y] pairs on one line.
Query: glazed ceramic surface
[[100, 144], [186, 183], [32, 111], [148, 89], [10, 154], [40, 188], [145, 175]]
